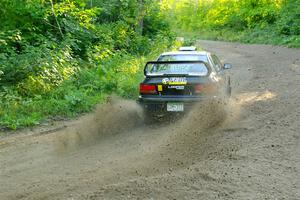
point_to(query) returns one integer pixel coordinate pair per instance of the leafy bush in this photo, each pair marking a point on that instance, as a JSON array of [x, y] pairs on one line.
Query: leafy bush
[[260, 21], [60, 58]]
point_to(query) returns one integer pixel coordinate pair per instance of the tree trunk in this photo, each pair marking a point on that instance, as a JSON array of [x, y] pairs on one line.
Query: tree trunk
[[140, 17]]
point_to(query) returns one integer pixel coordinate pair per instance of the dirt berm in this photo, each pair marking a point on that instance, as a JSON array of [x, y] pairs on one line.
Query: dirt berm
[[253, 154]]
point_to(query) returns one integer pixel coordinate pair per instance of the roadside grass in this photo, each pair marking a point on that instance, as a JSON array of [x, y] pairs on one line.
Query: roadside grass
[[118, 74], [29, 112], [251, 36]]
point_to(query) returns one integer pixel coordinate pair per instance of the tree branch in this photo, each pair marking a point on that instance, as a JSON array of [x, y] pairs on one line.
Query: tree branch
[[53, 11]]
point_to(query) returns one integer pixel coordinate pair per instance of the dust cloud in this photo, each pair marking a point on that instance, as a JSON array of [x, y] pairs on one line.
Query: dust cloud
[[116, 116], [124, 116]]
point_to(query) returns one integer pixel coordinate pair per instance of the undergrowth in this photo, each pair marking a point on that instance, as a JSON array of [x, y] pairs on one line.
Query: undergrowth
[[248, 21], [60, 58]]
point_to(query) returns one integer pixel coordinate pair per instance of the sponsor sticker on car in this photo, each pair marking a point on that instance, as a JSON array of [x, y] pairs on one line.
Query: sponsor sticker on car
[[175, 81], [177, 87]]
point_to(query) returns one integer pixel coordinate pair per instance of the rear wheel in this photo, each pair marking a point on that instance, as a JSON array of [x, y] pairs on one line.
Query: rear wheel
[[149, 117], [155, 116], [152, 116], [228, 89]]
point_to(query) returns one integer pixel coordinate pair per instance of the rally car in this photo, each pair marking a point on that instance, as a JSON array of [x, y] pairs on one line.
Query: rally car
[[178, 80]]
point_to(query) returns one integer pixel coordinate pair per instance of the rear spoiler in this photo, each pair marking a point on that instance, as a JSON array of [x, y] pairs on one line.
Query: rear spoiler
[[190, 48], [176, 62]]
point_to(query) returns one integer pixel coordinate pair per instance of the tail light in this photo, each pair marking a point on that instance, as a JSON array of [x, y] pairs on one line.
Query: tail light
[[198, 88], [147, 89]]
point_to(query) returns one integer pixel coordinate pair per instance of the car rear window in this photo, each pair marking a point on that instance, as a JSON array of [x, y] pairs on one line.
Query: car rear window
[[183, 57], [193, 69]]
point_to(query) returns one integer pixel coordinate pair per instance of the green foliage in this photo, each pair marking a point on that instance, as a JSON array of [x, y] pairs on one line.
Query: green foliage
[[289, 22], [115, 74], [258, 21], [59, 58]]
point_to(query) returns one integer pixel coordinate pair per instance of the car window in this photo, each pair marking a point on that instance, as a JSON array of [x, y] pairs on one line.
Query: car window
[[216, 62], [183, 57], [197, 69]]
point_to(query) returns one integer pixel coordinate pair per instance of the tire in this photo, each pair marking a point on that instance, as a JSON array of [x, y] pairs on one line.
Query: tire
[[228, 89], [149, 117]]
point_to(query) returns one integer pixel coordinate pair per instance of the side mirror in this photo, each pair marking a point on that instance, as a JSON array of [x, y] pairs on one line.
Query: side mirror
[[227, 66]]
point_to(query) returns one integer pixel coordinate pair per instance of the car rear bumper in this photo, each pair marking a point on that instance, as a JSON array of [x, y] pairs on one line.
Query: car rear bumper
[[159, 103], [165, 99]]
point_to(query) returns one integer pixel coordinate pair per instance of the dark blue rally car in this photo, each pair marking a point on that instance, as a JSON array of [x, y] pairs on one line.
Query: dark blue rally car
[[178, 80]]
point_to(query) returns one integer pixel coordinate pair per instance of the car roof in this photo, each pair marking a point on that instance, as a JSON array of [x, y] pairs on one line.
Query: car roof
[[204, 53]]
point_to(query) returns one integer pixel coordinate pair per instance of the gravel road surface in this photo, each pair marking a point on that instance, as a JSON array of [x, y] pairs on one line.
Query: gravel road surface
[[253, 153]]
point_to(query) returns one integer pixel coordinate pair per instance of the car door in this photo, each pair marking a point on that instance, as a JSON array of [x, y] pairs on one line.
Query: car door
[[218, 66]]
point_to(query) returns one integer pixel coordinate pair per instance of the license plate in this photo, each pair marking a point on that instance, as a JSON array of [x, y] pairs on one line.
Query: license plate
[[175, 107]]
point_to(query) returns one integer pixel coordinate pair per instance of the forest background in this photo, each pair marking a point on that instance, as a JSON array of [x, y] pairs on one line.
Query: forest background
[[59, 58]]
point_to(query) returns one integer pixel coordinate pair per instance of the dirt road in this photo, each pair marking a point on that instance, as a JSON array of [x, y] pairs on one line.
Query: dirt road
[[253, 154]]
